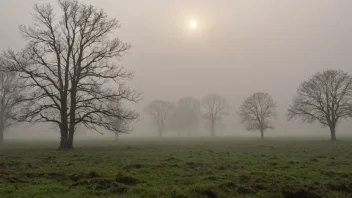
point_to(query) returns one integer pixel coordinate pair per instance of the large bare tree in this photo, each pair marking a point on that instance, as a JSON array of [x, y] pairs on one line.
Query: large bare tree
[[160, 111], [10, 98], [256, 112], [326, 98], [70, 67], [215, 109]]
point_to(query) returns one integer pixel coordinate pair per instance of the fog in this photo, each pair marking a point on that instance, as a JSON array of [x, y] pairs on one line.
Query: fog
[[240, 47]]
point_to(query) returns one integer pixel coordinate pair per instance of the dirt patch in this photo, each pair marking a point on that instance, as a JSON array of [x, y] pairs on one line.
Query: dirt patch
[[133, 166], [210, 194], [339, 186], [125, 179], [16, 180], [259, 184], [102, 184], [205, 191], [9, 164], [273, 163], [245, 190], [122, 189], [314, 160], [84, 176], [56, 176], [292, 192], [194, 164], [293, 162], [34, 175]]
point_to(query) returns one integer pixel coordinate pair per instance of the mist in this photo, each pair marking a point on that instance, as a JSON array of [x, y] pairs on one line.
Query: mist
[[240, 47]]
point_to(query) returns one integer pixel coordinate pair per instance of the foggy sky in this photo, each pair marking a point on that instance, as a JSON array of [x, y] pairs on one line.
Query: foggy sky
[[241, 47]]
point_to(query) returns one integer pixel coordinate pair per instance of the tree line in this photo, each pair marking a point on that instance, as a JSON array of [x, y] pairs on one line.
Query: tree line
[[326, 98]]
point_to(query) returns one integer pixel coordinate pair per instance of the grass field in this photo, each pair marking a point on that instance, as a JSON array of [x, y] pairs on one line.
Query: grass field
[[220, 167]]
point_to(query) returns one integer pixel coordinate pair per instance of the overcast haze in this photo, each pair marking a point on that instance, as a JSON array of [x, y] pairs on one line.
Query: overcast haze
[[240, 47]]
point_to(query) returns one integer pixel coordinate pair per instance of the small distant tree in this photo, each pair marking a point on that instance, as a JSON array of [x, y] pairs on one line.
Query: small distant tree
[[326, 98], [215, 109], [120, 127], [186, 114], [11, 88], [122, 124], [256, 112], [160, 111]]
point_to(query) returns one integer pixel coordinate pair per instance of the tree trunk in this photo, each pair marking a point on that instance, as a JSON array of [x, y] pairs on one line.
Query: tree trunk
[[66, 142], [66, 139], [1, 135], [64, 125], [70, 139], [72, 125], [2, 129], [333, 133], [262, 134], [116, 136], [213, 128], [63, 140]]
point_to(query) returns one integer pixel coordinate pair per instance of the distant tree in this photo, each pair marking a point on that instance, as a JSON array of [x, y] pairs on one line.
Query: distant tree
[[120, 127], [11, 89], [186, 114], [70, 70], [256, 112], [326, 98], [160, 111], [122, 124], [215, 109]]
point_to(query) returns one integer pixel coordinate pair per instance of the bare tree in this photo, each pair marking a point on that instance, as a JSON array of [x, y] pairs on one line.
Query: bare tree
[[10, 98], [160, 111], [122, 126], [256, 112], [215, 109], [326, 97], [72, 78], [186, 115]]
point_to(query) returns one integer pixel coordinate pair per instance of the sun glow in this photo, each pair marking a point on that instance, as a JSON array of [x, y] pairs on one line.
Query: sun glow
[[193, 24]]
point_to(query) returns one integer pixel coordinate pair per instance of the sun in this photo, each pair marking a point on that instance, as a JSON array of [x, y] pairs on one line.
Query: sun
[[193, 24]]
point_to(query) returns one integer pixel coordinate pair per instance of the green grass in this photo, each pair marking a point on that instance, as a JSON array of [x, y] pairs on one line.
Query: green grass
[[219, 167]]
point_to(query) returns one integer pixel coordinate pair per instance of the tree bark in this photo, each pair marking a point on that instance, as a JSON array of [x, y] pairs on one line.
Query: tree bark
[[333, 133], [64, 124], [2, 129], [262, 134], [63, 139], [72, 126], [212, 128], [1, 135], [70, 139], [160, 133]]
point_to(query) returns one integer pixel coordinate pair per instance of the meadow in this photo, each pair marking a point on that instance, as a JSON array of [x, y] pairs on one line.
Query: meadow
[[196, 167]]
